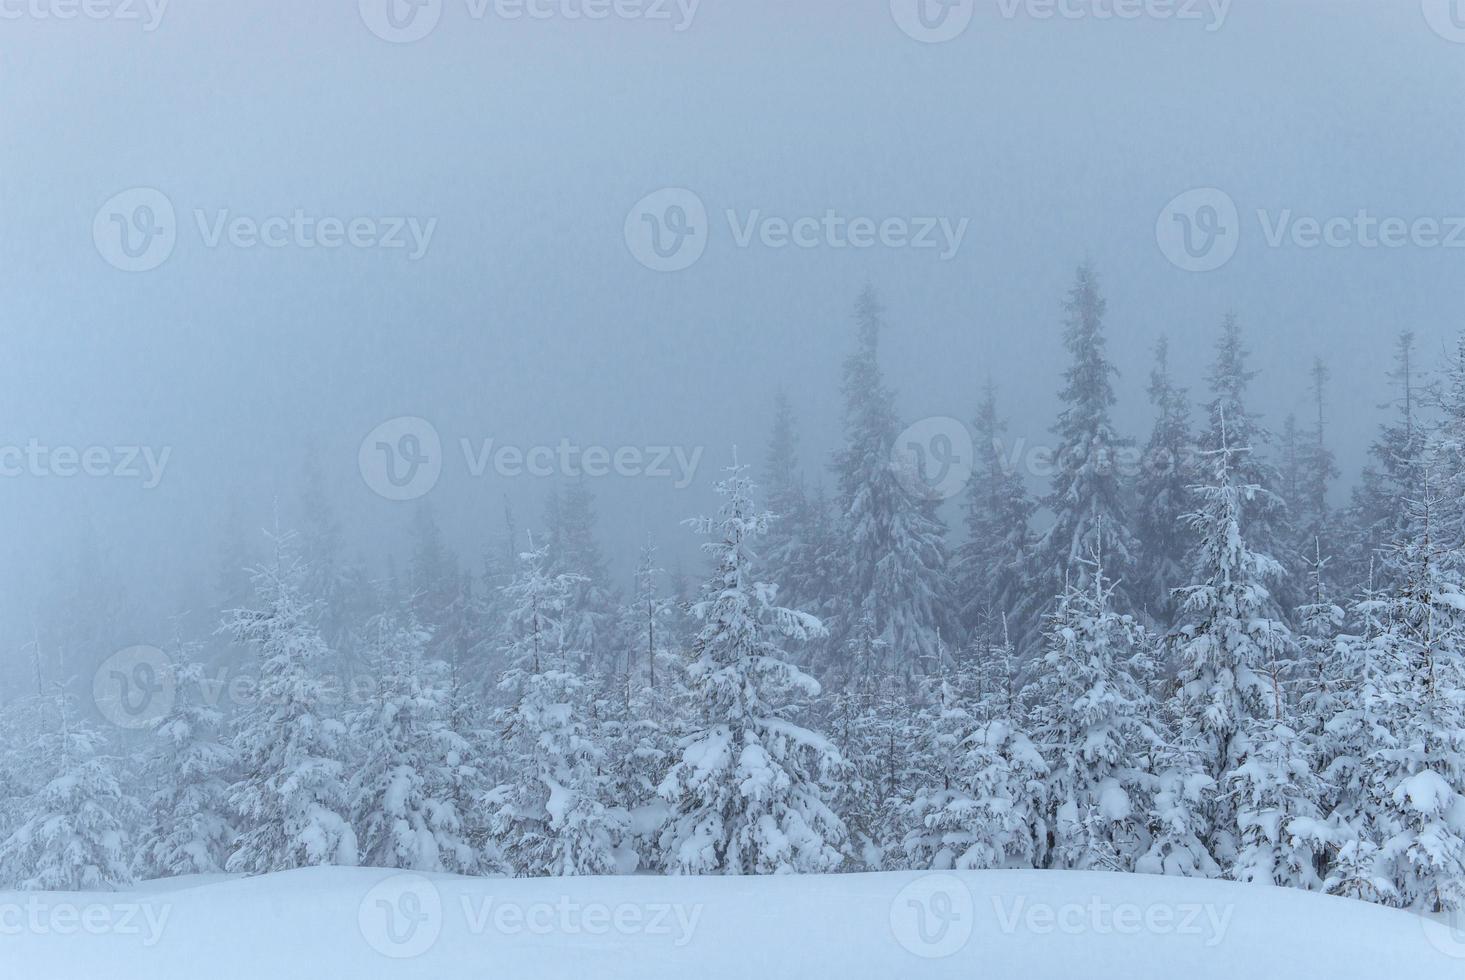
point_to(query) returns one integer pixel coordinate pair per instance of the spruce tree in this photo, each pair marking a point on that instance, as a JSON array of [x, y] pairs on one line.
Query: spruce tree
[[750, 788], [290, 803], [1087, 497], [895, 560], [1230, 642], [1167, 474], [990, 565]]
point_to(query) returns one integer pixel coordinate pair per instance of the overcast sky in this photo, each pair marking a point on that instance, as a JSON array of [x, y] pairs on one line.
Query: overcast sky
[[525, 316]]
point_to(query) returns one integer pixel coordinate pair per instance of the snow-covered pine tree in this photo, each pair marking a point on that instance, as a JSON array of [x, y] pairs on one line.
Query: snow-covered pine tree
[[187, 828], [589, 618], [1274, 793], [1088, 723], [895, 560], [990, 816], [1087, 497], [1312, 515], [1380, 514], [1231, 639], [786, 547], [551, 816], [1264, 523], [290, 803], [433, 580], [74, 835], [1167, 473], [1423, 765], [990, 564], [643, 722], [414, 771], [750, 788], [1180, 810]]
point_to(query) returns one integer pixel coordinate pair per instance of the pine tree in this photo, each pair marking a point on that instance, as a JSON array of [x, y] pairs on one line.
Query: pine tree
[[1274, 794], [1088, 726], [187, 829], [1317, 468], [1380, 514], [1231, 641], [1166, 476], [1265, 524], [785, 549], [895, 561], [74, 833], [590, 617], [1423, 811], [290, 804], [1087, 496], [750, 788], [990, 565], [408, 785], [551, 816]]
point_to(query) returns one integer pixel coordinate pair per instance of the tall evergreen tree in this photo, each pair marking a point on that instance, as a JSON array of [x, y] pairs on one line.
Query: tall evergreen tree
[[1167, 474], [750, 788], [991, 563], [895, 553], [1231, 642], [1087, 498], [290, 803], [1381, 516]]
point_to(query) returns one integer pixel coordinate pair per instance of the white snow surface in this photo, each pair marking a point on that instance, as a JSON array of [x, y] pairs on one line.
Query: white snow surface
[[324, 923]]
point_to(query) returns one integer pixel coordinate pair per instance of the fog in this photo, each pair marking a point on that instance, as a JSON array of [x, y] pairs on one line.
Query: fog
[[506, 154]]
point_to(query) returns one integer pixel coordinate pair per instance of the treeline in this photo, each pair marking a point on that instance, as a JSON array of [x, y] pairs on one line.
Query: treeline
[[1200, 667]]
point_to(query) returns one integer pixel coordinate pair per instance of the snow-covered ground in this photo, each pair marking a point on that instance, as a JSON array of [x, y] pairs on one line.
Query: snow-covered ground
[[326, 923]]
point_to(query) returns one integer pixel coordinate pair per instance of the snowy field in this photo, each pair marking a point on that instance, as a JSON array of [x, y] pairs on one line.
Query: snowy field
[[362, 923]]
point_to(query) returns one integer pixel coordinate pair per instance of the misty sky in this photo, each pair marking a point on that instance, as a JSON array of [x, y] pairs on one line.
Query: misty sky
[[528, 320]]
